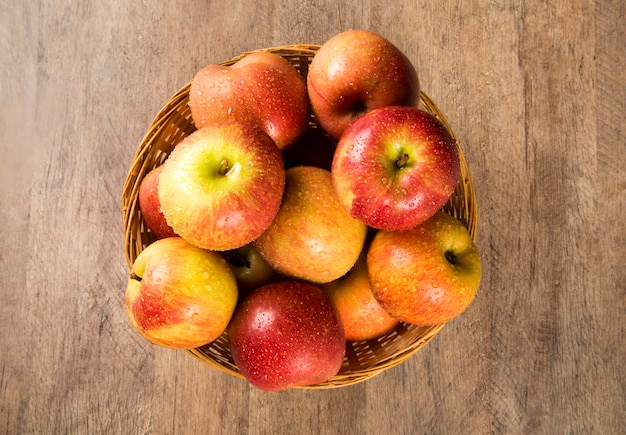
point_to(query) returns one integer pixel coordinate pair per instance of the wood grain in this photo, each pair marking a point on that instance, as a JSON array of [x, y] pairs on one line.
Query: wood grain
[[536, 93]]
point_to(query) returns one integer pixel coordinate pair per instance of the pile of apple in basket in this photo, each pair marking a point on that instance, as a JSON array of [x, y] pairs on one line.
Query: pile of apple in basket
[[295, 245]]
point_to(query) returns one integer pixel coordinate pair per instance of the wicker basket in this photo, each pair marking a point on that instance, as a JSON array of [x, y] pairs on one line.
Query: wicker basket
[[363, 360]]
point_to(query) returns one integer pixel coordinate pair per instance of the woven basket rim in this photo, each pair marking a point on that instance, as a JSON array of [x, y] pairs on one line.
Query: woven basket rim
[[162, 126]]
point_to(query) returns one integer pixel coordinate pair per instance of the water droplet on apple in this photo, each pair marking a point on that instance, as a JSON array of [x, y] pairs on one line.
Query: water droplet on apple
[[221, 80]]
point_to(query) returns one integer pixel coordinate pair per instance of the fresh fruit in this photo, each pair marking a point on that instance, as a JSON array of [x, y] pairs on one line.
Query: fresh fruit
[[395, 167], [361, 315], [151, 207], [262, 88], [427, 275], [312, 237], [314, 204], [355, 72], [251, 270], [286, 334], [222, 186], [180, 296]]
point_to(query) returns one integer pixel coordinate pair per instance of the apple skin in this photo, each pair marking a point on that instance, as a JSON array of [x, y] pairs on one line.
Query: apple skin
[[219, 208], [312, 238], [180, 296], [395, 167], [262, 88], [286, 334], [355, 72], [150, 205], [413, 277], [361, 315], [251, 270]]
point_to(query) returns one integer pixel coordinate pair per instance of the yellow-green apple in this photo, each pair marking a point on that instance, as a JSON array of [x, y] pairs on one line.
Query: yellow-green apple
[[355, 72], [286, 334], [180, 296], [251, 270], [262, 88], [312, 237], [222, 186], [361, 315], [151, 207], [394, 167], [427, 275]]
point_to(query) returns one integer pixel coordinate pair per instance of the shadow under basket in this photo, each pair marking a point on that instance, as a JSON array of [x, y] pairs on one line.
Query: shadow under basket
[[362, 360]]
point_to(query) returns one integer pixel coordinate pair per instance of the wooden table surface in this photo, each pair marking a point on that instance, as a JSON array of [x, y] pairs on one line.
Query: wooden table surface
[[535, 91]]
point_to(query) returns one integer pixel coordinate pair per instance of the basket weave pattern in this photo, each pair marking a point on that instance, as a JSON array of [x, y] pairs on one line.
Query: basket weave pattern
[[363, 360]]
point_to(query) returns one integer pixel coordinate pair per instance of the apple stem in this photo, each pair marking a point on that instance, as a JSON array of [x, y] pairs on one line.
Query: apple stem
[[402, 161], [224, 167], [450, 257], [134, 276]]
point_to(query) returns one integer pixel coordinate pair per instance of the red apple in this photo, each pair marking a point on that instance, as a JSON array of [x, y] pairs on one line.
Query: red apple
[[151, 207], [355, 72], [427, 275], [395, 167], [222, 186], [286, 334], [180, 296], [262, 88], [251, 270], [312, 237], [361, 315]]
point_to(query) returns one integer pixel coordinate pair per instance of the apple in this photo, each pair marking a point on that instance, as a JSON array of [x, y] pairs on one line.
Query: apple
[[361, 315], [262, 88], [355, 72], [251, 270], [286, 334], [395, 167], [427, 275], [312, 238], [222, 186], [151, 207], [180, 296]]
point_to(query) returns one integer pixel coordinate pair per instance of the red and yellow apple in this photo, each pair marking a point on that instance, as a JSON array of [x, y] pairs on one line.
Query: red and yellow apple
[[262, 88], [180, 296], [427, 275], [395, 167], [312, 238], [361, 315], [222, 186], [151, 207], [286, 334], [355, 72]]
